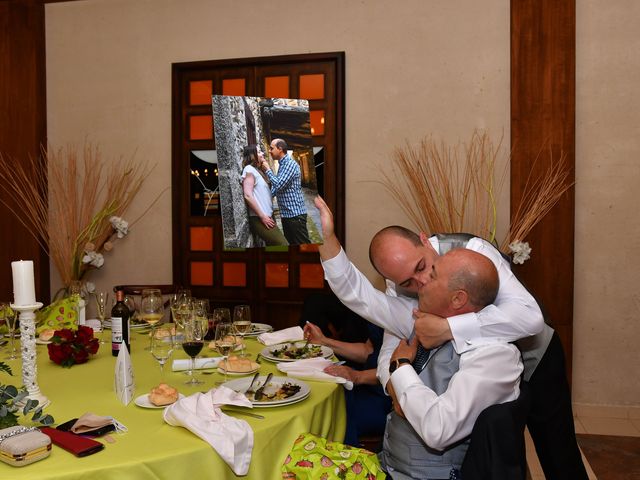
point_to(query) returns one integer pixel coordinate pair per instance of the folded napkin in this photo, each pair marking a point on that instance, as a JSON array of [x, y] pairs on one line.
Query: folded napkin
[[200, 413], [312, 369], [201, 363], [291, 334]]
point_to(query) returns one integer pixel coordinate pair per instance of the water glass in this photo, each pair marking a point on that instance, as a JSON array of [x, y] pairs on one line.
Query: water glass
[[102, 299], [242, 322], [9, 316], [162, 344]]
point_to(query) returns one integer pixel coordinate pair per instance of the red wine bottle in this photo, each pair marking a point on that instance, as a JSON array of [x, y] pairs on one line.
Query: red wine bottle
[[120, 314]]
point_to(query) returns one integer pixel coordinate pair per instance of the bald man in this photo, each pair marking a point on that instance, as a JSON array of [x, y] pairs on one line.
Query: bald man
[[440, 409]]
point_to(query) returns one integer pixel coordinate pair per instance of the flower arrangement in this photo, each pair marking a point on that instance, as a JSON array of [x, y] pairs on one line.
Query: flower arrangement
[[11, 399], [69, 347], [444, 190], [73, 204]]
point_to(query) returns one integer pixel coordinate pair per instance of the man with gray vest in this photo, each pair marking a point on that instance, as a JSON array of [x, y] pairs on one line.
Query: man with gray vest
[[406, 259], [443, 398]]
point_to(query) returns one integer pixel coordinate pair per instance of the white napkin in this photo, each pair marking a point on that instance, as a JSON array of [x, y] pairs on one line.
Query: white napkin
[[312, 369], [200, 413], [291, 334], [201, 363], [124, 383]]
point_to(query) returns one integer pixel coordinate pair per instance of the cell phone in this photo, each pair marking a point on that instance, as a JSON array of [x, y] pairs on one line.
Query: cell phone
[[78, 445]]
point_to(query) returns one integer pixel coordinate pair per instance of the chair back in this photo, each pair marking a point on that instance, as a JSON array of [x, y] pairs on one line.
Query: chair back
[[497, 448]]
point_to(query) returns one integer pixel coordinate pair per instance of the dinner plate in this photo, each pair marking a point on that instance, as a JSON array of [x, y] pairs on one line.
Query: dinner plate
[[143, 401], [132, 326], [266, 352], [258, 328], [241, 384], [42, 342], [238, 374]]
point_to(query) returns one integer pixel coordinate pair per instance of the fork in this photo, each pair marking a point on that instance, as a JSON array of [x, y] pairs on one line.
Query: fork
[[253, 380], [258, 358], [259, 393]]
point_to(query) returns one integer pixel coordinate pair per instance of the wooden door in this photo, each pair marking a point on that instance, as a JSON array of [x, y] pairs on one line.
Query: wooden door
[[273, 280]]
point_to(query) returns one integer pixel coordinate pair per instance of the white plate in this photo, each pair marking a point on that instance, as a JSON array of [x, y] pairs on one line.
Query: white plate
[[143, 401], [266, 352], [42, 342], [238, 374], [258, 328], [241, 384], [132, 326]]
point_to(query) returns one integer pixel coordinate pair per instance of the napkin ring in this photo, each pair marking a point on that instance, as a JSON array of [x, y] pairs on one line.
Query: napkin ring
[[20, 446]]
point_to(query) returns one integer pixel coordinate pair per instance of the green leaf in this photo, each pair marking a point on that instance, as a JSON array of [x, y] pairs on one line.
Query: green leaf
[[5, 368], [47, 420]]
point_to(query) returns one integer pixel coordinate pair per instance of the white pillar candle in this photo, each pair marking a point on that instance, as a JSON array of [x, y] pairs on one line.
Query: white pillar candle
[[24, 289]]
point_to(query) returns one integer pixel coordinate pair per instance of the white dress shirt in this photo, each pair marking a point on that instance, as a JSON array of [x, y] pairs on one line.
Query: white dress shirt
[[489, 374], [514, 314]]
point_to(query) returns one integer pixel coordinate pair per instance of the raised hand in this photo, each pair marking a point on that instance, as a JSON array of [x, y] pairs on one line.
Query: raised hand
[[330, 246]]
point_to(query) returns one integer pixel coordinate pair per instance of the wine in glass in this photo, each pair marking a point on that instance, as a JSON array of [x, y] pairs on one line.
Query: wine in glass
[[10, 319], [192, 345], [151, 307], [162, 343], [242, 322], [225, 342], [181, 310], [101, 299]]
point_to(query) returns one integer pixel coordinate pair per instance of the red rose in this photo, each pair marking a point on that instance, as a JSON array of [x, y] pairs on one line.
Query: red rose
[[84, 334], [55, 353], [69, 347], [65, 335], [80, 356]]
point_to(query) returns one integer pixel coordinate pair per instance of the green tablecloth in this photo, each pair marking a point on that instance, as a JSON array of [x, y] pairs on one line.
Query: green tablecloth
[[152, 449]]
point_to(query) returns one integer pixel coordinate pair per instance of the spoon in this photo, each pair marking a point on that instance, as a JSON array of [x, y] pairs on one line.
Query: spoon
[[253, 380]]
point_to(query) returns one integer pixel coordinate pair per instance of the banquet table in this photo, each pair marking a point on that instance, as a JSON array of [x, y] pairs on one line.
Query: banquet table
[[152, 449]]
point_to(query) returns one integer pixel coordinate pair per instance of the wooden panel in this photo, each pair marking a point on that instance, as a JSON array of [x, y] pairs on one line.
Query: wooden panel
[[543, 114], [22, 127]]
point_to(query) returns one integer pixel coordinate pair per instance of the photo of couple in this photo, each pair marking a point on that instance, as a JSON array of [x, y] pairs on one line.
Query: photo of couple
[[266, 199]]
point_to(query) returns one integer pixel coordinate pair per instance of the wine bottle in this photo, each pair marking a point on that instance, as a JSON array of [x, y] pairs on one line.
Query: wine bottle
[[120, 314]]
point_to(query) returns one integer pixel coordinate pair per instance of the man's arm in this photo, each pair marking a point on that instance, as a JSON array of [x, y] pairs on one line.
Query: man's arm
[[488, 375], [286, 174], [354, 290], [389, 344]]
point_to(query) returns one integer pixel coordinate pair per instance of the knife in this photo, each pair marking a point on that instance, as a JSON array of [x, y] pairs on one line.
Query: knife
[[259, 393]]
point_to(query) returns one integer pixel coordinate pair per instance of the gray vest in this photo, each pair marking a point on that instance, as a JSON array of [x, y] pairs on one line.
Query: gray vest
[[532, 348], [404, 453]]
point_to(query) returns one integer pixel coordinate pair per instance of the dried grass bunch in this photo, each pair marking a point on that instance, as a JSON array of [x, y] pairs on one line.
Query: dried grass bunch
[[443, 188], [72, 203]]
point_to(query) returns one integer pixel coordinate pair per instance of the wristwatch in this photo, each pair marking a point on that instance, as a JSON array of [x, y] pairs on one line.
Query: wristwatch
[[397, 362]]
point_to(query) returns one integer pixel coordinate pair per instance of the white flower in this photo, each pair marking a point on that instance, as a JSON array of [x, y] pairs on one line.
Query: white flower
[[120, 226], [89, 287], [93, 258], [521, 251]]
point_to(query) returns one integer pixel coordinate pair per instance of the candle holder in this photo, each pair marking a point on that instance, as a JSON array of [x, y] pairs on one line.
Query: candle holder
[[28, 350]]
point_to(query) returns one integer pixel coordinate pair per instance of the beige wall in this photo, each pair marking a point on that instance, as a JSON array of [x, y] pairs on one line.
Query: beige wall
[[607, 298], [412, 68]]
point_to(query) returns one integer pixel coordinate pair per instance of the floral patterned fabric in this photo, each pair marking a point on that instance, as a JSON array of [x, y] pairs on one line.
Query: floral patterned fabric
[[313, 457], [58, 315]]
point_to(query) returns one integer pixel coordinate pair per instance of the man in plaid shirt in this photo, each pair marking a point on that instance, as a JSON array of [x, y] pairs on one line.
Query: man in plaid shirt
[[286, 186]]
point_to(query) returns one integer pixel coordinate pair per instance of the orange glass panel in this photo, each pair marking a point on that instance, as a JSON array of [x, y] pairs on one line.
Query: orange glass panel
[[277, 87], [311, 275], [317, 122], [234, 274], [201, 239], [309, 247], [200, 92], [201, 127], [233, 86], [312, 86], [276, 275], [202, 273]]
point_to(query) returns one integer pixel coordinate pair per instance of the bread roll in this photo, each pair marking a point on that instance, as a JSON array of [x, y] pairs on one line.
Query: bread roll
[[163, 394], [46, 335], [238, 364]]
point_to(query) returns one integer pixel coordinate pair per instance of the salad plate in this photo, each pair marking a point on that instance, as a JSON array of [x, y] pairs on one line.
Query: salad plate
[[292, 351], [279, 392]]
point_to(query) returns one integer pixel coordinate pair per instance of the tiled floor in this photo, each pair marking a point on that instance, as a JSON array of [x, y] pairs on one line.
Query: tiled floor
[[593, 420]]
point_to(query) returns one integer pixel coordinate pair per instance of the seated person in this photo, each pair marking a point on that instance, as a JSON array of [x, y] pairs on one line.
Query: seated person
[[358, 343], [439, 401]]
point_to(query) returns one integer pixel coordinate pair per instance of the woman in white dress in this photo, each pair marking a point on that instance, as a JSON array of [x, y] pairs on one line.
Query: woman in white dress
[[257, 195]]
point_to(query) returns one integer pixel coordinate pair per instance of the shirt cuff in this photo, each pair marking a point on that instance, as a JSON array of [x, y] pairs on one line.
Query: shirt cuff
[[403, 378], [337, 266], [464, 328]]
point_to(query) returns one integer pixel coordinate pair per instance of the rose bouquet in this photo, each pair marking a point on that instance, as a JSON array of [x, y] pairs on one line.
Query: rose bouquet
[[69, 347]]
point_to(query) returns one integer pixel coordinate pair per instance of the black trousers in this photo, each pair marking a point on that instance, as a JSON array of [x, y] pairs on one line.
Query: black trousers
[[550, 419], [295, 230]]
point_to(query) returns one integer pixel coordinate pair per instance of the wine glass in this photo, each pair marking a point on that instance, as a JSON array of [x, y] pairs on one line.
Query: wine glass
[[151, 306], [9, 316], [162, 344], [181, 309], [101, 299], [192, 345], [225, 342], [242, 322]]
